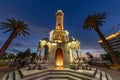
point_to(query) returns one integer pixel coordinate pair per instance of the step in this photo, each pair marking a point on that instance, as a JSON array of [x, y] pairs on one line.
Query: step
[[52, 77], [21, 72], [67, 77], [11, 77], [103, 75], [88, 74], [5, 77], [97, 76], [80, 76], [42, 74], [58, 77], [108, 76], [58, 70], [81, 73], [36, 76], [17, 75], [94, 73], [58, 74], [71, 73], [29, 73]]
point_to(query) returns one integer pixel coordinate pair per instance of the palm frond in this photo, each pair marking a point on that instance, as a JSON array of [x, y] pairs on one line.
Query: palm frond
[[23, 34], [17, 26], [8, 25], [12, 20], [3, 27], [94, 21], [7, 31], [26, 33]]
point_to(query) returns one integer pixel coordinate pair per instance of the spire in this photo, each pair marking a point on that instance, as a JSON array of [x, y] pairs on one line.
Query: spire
[[59, 20]]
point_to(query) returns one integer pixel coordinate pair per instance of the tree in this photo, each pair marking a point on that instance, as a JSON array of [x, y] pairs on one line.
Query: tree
[[27, 52], [117, 53], [33, 55], [16, 27], [105, 57], [90, 56], [4, 56], [94, 22]]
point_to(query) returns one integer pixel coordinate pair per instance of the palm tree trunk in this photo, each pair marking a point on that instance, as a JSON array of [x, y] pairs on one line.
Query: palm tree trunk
[[109, 48], [8, 42]]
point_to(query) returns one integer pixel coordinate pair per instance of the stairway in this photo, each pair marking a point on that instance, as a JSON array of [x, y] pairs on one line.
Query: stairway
[[51, 74], [101, 75], [12, 75]]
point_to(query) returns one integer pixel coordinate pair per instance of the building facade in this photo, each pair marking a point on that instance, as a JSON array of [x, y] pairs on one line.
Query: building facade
[[59, 48], [114, 40]]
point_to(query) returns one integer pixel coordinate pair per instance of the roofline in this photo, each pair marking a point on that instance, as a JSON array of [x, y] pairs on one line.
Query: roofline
[[111, 36]]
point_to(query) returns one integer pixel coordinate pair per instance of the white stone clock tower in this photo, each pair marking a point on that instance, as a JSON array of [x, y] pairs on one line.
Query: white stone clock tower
[[59, 49]]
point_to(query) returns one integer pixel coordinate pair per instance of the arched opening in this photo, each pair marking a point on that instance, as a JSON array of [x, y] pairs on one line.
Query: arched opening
[[76, 55], [59, 59], [44, 53]]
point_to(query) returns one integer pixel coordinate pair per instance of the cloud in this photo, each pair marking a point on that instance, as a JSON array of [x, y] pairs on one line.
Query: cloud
[[17, 44], [13, 50], [39, 31], [89, 46]]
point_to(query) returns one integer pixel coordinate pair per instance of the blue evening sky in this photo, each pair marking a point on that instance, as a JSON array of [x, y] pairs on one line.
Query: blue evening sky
[[40, 17]]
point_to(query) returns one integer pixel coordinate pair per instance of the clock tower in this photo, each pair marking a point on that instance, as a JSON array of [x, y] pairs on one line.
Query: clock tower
[[59, 20], [59, 49]]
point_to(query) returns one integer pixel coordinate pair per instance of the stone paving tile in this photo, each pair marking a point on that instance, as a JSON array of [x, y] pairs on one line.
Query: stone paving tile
[[115, 74]]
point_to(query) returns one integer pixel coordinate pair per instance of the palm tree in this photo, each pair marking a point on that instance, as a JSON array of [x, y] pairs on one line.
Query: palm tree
[[27, 53], [16, 27], [89, 55], [94, 22]]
